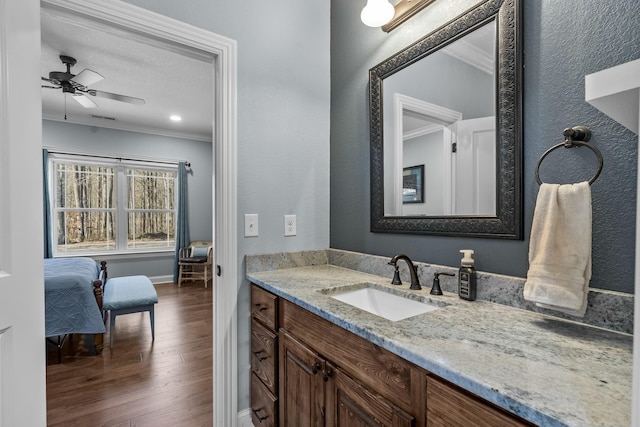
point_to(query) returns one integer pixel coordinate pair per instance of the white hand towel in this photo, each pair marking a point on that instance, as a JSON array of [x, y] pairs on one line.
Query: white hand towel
[[560, 248]]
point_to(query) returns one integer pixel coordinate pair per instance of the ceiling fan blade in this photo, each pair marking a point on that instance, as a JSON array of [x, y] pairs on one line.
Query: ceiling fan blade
[[50, 87], [116, 97], [85, 101], [86, 78], [55, 82]]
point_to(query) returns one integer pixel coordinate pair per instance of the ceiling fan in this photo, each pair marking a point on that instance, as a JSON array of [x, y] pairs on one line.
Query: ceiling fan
[[78, 85]]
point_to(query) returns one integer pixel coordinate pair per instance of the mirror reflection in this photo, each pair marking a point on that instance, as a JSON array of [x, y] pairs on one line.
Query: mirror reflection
[[440, 131]]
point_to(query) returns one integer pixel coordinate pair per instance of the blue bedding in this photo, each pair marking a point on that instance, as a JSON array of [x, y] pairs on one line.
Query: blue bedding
[[70, 305]]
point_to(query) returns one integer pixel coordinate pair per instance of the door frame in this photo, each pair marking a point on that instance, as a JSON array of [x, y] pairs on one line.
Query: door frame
[[223, 52], [22, 317]]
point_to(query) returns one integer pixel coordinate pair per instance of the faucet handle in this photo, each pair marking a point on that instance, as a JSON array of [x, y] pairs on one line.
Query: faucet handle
[[435, 289], [396, 276]]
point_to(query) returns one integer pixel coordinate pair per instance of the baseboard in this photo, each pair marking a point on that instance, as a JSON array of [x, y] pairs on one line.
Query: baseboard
[[244, 418], [158, 280]]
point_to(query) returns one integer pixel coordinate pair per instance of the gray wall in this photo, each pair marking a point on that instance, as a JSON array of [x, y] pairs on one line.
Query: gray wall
[[95, 140], [563, 41], [283, 126]]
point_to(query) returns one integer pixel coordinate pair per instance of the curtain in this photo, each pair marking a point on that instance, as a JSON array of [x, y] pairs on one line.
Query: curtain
[[182, 219], [46, 217]]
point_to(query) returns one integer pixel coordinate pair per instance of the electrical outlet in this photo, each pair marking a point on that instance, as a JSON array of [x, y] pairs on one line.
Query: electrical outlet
[[289, 225], [250, 225]]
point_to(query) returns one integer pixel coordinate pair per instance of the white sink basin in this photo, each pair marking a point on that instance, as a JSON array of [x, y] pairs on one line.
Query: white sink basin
[[381, 301]]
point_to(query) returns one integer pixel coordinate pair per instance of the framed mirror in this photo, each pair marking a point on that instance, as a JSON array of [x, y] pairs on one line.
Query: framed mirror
[[450, 106]]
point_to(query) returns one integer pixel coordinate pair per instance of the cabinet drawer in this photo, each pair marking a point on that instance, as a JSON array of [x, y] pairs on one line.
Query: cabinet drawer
[[264, 307], [264, 405], [264, 355], [450, 406]]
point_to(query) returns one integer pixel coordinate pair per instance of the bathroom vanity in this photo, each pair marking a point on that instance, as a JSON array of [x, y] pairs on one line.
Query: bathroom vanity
[[319, 361], [326, 375]]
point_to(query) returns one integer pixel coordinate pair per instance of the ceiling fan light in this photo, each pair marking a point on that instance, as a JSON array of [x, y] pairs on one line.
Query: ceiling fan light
[[175, 118], [377, 13]]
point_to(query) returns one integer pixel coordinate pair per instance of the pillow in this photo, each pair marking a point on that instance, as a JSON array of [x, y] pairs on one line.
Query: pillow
[[200, 251]]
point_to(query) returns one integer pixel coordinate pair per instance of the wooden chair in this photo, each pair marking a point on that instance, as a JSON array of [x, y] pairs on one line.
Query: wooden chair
[[196, 262]]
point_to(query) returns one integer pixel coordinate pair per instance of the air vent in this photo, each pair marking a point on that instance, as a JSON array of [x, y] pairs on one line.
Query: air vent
[[103, 117]]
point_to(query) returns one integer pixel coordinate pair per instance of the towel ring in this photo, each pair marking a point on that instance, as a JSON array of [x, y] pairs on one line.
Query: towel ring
[[576, 136]]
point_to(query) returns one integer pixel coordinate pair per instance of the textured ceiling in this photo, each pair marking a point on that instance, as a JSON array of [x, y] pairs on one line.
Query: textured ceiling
[[169, 78]]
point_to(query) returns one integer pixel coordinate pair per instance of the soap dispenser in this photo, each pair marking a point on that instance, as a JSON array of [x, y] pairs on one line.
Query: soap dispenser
[[467, 276]]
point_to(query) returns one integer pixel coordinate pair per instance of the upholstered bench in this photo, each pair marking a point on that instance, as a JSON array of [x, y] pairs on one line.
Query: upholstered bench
[[129, 294]]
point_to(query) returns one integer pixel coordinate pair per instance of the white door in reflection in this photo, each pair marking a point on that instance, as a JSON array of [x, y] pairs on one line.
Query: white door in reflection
[[474, 164], [450, 168]]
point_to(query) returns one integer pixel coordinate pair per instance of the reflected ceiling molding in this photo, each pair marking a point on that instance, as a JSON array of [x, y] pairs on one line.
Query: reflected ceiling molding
[[476, 49], [405, 9]]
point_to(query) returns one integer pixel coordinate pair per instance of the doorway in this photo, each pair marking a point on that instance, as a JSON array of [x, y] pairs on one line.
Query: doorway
[[223, 53]]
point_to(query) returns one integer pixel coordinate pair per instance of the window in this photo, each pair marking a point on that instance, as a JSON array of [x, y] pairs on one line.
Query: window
[[111, 207]]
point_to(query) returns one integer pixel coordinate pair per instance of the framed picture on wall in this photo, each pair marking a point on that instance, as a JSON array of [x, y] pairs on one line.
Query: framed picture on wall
[[413, 184]]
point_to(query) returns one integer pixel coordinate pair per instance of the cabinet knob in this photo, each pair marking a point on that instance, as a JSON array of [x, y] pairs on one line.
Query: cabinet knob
[[315, 368], [326, 374]]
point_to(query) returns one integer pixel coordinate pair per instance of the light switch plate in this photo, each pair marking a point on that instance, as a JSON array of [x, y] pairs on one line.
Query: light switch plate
[[250, 225]]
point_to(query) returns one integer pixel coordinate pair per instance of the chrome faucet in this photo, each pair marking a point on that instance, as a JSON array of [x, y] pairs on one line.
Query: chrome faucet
[[415, 282]]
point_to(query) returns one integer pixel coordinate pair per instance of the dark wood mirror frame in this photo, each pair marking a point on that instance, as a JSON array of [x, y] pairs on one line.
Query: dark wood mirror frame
[[508, 221]]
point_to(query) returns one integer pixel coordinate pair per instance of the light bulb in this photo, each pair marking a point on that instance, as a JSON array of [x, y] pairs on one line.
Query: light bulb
[[377, 13]]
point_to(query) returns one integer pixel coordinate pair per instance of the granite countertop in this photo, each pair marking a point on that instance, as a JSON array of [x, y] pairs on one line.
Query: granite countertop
[[550, 371]]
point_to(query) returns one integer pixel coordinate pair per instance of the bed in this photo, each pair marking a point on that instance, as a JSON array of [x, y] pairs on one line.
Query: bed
[[73, 300]]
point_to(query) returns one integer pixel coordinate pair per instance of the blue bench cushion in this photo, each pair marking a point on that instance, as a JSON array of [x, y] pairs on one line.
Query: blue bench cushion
[[200, 251], [195, 259], [127, 292]]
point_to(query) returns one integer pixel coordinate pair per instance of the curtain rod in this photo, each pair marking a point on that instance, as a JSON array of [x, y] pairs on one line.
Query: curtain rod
[[102, 156]]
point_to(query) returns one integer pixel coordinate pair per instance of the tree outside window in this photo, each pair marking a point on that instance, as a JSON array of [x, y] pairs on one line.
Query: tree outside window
[[103, 208]]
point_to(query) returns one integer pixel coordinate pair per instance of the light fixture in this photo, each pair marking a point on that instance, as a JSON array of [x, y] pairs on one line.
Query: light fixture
[[175, 118], [377, 13]]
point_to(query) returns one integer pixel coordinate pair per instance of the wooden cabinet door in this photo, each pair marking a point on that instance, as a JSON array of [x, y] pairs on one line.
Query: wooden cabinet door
[[349, 404], [301, 384]]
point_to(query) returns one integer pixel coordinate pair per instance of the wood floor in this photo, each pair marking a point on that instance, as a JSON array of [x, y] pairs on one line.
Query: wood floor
[[166, 382]]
